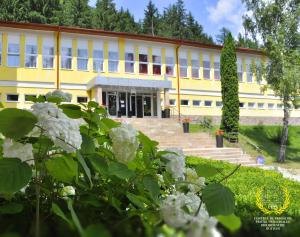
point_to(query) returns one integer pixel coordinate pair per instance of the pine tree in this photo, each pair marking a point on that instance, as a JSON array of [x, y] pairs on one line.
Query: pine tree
[[105, 15], [151, 20], [229, 87], [223, 35], [125, 22]]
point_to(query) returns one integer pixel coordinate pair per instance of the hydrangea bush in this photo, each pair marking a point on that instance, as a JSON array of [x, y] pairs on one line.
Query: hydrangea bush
[[68, 170]]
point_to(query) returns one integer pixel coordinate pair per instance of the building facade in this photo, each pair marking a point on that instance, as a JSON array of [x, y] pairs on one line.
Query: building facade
[[132, 75]]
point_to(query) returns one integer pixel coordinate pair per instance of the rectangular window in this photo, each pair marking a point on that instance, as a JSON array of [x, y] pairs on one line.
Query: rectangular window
[[48, 56], [172, 102], [261, 105], [279, 106], [0, 50], [195, 68], [219, 104], [129, 62], [184, 102], [271, 106], [113, 61], [251, 105], [66, 57], [183, 67], [143, 63], [13, 55], [31, 55], [249, 74], [208, 103], [82, 59], [206, 70], [240, 70], [29, 97], [217, 71], [12, 98], [156, 61], [196, 103], [242, 105], [82, 99], [170, 66], [97, 60]]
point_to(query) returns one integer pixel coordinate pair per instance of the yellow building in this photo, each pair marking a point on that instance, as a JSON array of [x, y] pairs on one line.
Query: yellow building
[[133, 75]]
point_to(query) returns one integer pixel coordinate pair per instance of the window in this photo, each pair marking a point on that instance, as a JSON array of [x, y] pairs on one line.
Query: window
[[172, 102], [66, 57], [217, 71], [184, 102], [195, 68], [271, 106], [31, 55], [251, 105], [249, 74], [183, 67], [196, 103], [129, 62], [206, 69], [261, 105], [82, 59], [219, 104], [12, 98], [240, 71], [48, 56], [0, 51], [242, 105], [156, 60], [208, 103], [82, 99], [170, 66], [97, 60], [279, 106], [143, 63], [13, 55], [29, 97], [113, 61]]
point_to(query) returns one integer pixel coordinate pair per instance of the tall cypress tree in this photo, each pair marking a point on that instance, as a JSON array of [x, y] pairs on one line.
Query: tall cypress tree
[[230, 87]]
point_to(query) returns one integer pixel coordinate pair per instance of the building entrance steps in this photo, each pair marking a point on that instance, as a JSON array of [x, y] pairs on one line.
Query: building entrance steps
[[169, 133]]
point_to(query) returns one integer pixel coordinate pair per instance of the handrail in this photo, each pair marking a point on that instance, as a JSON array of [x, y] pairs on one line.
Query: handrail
[[174, 112]]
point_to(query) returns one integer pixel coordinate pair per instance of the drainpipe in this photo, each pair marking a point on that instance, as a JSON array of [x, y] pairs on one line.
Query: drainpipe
[[57, 58], [178, 80]]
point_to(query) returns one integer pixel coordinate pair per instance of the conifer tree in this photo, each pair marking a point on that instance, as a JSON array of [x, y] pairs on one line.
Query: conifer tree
[[151, 20], [105, 15]]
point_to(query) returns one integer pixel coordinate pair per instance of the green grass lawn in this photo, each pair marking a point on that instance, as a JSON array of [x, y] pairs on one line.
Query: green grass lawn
[[267, 139]]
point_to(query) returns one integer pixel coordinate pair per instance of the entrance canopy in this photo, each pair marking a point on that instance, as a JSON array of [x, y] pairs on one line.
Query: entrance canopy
[[129, 83]]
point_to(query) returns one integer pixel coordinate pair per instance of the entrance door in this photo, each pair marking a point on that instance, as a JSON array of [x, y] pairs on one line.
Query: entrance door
[[147, 105], [122, 103], [139, 106], [112, 104], [132, 105]]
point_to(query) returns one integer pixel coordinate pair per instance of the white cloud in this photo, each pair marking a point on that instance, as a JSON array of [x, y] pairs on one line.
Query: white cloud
[[227, 13]]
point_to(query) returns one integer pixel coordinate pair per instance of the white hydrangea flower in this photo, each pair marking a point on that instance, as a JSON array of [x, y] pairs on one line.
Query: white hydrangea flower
[[176, 164], [12, 149], [68, 191], [61, 129], [67, 97], [192, 176], [160, 179], [124, 142]]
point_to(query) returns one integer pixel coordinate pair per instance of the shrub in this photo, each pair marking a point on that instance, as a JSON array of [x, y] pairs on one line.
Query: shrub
[[206, 122]]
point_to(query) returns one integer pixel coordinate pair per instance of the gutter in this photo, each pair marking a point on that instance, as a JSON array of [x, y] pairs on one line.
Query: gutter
[[57, 58], [178, 81]]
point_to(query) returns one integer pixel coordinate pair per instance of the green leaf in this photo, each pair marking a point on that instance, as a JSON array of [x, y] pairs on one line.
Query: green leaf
[[11, 208], [120, 170], [96, 231], [74, 217], [93, 104], [16, 123], [87, 145], [63, 169], [231, 222], [99, 164], [86, 169], [106, 124], [1, 105], [219, 200], [55, 100], [72, 111], [148, 145], [152, 186], [136, 200], [205, 170], [57, 211], [14, 175]]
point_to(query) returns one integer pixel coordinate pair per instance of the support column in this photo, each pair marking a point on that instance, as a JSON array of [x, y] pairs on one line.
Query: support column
[[158, 104], [166, 98], [98, 95]]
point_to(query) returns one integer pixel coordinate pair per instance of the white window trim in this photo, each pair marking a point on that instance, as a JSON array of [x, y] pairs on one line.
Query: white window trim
[[217, 70], [245, 105], [200, 103], [145, 63], [100, 59], [67, 57], [211, 105], [185, 67], [197, 68], [130, 61], [170, 65], [175, 102], [156, 64], [217, 106], [189, 103], [30, 54], [12, 101], [264, 107], [13, 54], [47, 55], [82, 58], [206, 68], [273, 106], [254, 105], [114, 61]]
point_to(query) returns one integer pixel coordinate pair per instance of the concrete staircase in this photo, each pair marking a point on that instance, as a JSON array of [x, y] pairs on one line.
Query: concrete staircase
[[169, 133]]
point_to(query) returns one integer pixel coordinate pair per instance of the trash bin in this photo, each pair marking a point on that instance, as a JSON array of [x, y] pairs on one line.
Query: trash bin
[[167, 113], [186, 127], [119, 114], [163, 114], [219, 141]]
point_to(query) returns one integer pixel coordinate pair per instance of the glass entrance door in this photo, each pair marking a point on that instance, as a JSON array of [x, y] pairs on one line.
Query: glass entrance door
[[112, 104], [147, 105]]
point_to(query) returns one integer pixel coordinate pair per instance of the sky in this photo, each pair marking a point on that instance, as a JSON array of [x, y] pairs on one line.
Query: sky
[[211, 14]]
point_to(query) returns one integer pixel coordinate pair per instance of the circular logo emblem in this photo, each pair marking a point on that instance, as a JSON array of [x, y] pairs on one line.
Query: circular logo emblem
[[272, 200]]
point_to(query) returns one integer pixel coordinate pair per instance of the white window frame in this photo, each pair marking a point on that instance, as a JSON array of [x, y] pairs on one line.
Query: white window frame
[[156, 63], [129, 62], [272, 107], [208, 101], [249, 72], [113, 61], [13, 101], [66, 45], [87, 99], [27, 101], [31, 41], [217, 71], [0, 50], [197, 101], [240, 69], [13, 40], [171, 103], [48, 46], [85, 59], [251, 107], [144, 63], [185, 100], [219, 106], [183, 67], [244, 105], [170, 63], [260, 104], [206, 58], [279, 106]]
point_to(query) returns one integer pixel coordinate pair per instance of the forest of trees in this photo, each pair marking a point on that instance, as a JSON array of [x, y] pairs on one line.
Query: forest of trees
[[174, 22]]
